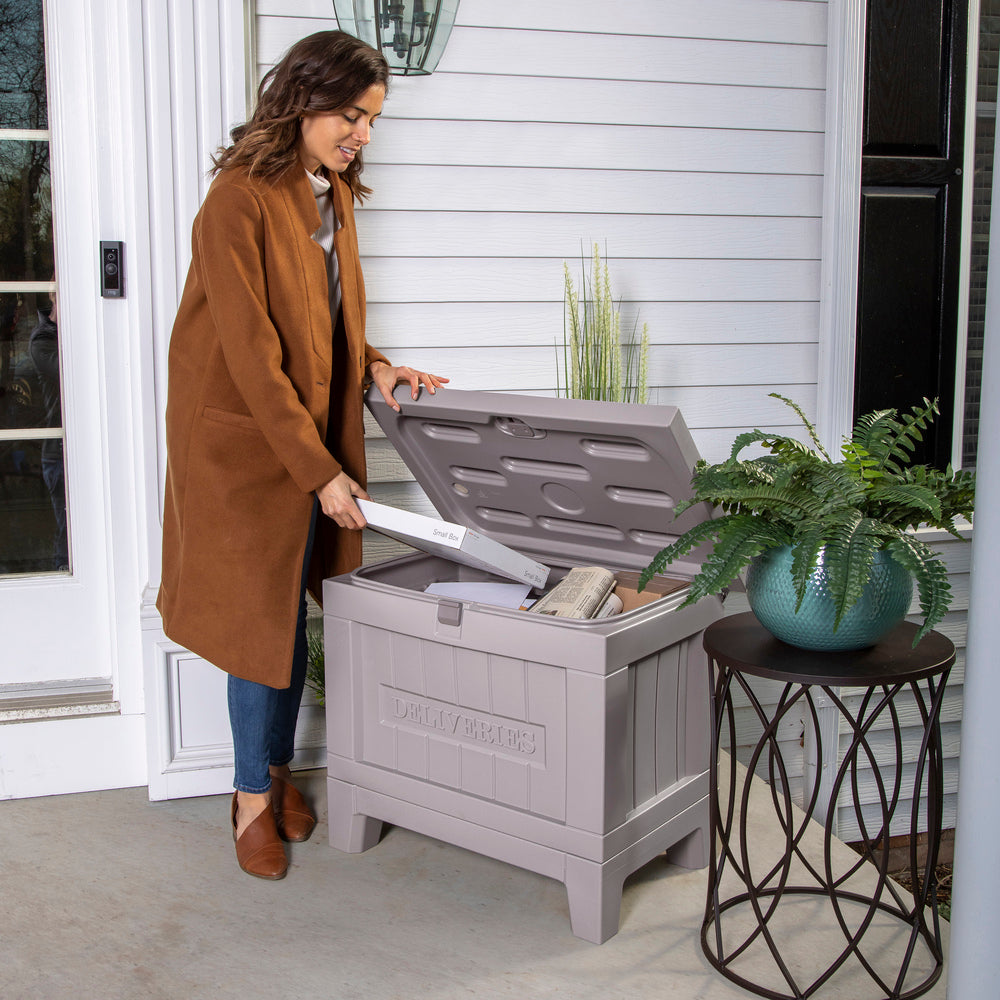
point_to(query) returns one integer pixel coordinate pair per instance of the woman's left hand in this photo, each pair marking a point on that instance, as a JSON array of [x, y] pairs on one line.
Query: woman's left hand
[[387, 377]]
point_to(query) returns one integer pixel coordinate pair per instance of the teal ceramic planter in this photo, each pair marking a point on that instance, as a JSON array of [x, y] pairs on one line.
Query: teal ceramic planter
[[882, 605]]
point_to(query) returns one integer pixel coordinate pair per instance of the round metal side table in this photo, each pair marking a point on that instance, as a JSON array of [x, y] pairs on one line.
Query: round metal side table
[[749, 913]]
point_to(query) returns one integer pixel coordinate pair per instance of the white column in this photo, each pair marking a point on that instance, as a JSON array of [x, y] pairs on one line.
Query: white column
[[974, 958], [845, 77]]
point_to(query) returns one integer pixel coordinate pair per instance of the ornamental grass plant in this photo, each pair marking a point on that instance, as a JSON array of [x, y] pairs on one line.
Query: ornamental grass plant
[[845, 511], [316, 663], [596, 364]]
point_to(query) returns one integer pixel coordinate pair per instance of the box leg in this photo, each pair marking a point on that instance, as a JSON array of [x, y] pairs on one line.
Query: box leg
[[349, 831], [595, 899], [692, 851]]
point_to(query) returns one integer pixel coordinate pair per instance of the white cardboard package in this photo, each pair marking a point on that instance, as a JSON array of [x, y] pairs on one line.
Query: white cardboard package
[[455, 542]]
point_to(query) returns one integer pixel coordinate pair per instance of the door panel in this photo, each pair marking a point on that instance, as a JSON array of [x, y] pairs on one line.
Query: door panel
[[906, 100], [899, 310], [54, 579], [32, 500]]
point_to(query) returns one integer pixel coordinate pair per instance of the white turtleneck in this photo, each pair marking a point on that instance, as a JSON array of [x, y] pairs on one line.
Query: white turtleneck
[[329, 224]]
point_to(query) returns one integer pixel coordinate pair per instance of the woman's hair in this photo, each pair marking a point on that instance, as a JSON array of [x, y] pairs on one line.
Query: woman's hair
[[320, 73]]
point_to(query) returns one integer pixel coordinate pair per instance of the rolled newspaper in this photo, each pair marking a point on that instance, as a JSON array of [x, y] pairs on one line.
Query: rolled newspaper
[[583, 592]]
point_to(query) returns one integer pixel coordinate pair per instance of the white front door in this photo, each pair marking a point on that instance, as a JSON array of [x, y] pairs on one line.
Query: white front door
[[109, 114], [54, 543], [73, 378]]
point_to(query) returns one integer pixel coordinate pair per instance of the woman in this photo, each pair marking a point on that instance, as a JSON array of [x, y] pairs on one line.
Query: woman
[[267, 365]]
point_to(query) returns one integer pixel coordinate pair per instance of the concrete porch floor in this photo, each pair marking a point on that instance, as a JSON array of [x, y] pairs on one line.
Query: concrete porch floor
[[107, 895]]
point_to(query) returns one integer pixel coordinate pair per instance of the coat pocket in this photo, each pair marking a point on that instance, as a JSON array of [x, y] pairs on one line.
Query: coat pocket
[[231, 419]]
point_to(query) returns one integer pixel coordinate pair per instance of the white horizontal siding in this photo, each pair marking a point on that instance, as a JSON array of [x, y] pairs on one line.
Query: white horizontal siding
[[717, 365], [480, 279], [398, 325], [478, 234], [573, 54], [686, 139], [561, 145], [492, 98], [957, 556], [755, 20], [687, 142], [522, 192]]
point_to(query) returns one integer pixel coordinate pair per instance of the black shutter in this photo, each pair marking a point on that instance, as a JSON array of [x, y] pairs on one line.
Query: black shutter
[[911, 191]]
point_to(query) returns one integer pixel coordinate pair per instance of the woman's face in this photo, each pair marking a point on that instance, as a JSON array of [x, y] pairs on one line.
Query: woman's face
[[333, 138]]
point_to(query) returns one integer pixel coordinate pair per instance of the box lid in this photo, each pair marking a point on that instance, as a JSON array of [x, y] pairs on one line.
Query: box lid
[[567, 480]]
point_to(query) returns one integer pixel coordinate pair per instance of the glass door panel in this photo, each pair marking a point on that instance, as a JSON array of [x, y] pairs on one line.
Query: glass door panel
[[33, 523]]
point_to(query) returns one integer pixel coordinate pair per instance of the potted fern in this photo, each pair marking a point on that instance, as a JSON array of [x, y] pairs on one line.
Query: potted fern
[[828, 544]]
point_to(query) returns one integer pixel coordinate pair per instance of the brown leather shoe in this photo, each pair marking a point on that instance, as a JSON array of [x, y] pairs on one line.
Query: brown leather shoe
[[258, 849], [292, 815]]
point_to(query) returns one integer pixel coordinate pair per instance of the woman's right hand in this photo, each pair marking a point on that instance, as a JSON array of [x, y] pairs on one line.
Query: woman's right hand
[[337, 501]]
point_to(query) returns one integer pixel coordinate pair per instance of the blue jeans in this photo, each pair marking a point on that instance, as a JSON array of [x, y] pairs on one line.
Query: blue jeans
[[263, 718]]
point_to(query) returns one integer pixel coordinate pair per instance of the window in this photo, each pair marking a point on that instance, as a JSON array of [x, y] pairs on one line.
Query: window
[[33, 530]]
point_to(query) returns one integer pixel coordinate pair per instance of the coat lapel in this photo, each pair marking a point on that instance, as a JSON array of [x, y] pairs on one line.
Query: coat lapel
[[303, 212]]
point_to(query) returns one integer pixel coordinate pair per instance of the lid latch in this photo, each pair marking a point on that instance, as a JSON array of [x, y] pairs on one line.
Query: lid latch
[[450, 613]]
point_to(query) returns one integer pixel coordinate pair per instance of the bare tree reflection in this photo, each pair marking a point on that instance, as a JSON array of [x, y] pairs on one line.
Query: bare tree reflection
[[22, 65], [25, 213], [32, 505], [26, 249]]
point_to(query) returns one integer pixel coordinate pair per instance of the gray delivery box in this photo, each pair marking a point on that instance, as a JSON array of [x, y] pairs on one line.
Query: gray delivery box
[[578, 749]]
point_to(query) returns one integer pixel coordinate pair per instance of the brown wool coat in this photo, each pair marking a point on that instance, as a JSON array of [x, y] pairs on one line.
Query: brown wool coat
[[251, 361]]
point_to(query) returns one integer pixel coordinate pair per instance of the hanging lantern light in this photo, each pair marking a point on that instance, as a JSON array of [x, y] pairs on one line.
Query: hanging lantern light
[[411, 34]]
